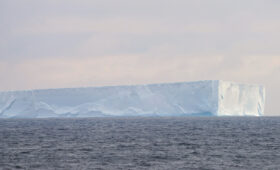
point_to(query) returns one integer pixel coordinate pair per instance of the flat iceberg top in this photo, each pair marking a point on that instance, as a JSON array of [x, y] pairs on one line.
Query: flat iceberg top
[[210, 97]]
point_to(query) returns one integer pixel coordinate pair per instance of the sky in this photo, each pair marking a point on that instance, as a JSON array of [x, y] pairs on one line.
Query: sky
[[79, 43]]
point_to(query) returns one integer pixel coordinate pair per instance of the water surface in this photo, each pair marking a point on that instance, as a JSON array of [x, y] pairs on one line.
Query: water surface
[[141, 143]]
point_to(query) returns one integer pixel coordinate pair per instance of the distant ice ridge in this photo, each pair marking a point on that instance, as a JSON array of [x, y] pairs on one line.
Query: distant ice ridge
[[211, 97]]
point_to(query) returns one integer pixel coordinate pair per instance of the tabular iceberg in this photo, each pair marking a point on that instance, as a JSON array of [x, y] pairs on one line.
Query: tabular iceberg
[[211, 97]]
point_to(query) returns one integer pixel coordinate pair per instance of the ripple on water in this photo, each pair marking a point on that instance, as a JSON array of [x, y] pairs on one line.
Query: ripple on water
[[141, 143]]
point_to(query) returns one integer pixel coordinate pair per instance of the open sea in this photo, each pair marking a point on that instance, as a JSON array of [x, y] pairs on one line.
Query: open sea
[[141, 143]]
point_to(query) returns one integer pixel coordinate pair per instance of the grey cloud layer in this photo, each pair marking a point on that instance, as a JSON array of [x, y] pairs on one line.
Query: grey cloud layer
[[71, 43]]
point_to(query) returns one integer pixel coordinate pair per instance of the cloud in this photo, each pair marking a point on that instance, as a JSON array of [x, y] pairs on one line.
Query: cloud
[[111, 25], [130, 69]]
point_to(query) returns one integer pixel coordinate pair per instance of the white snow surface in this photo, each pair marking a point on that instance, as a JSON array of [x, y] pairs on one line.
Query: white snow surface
[[210, 97]]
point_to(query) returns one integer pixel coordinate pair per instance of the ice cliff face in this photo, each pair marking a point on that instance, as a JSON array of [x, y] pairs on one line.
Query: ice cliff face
[[240, 99], [217, 98]]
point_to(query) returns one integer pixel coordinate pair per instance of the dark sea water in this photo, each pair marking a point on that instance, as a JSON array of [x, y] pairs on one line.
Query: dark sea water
[[141, 143]]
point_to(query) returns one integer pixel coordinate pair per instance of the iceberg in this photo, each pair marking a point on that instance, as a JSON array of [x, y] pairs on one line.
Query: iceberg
[[209, 97]]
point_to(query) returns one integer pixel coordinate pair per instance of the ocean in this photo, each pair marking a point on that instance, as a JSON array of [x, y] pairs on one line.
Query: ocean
[[141, 143]]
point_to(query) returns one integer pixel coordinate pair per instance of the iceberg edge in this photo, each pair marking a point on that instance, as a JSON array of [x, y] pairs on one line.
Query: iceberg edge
[[214, 97]]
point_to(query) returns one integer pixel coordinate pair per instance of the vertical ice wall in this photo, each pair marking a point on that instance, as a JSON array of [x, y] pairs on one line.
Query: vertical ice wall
[[212, 97], [240, 99]]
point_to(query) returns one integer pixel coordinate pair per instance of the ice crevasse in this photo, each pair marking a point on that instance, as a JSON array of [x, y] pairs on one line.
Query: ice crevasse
[[209, 97]]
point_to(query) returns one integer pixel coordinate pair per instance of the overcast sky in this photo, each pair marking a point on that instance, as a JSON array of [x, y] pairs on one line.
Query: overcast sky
[[73, 43]]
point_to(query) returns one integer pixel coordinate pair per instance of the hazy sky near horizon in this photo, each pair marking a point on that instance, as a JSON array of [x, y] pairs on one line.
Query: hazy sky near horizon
[[73, 43]]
